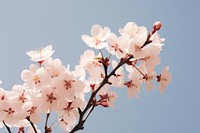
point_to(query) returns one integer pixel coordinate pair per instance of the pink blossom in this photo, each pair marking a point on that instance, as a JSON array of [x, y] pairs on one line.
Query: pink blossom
[[48, 99], [35, 77], [107, 97], [148, 78], [134, 84], [152, 58], [164, 78], [67, 85], [54, 67], [42, 54], [69, 110], [98, 38], [32, 108], [11, 113], [117, 45], [133, 31], [90, 63], [156, 40], [157, 25]]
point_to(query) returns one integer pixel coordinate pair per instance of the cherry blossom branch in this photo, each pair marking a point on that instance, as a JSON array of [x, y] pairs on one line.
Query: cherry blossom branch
[[8, 128], [44, 80], [93, 106], [47, 129], [28, 118], [105, 81]]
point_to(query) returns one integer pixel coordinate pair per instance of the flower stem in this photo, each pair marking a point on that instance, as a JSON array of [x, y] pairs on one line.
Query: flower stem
[[8, 128], [28, 118], [47, 130]]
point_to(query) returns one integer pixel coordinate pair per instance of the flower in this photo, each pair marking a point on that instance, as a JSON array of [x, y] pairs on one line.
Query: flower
[[164, 78], [67, 86], [41, 54], [35, 78], [89, 62], [156, 40], [152, 58], [149, 76], [33, 107], [3, 103], [134, 84], [54, 67], [69, 109], [132, 30], [107, 98], [157, 25], [49, 99], [18, 96], [118, 45], [10, 112], [98, 38]]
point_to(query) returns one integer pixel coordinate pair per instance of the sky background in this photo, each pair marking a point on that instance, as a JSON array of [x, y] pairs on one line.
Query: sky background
[[31, 24]]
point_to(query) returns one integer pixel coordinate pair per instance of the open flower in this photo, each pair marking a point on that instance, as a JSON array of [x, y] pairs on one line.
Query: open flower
[[67, 86], [164, 78], [117, 45], [35, 78], [107, 98], [98, 38], [152, 58], [133, 31], [41, 54]]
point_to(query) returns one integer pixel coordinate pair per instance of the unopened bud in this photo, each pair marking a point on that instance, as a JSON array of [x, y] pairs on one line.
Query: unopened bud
[[157, 25], [104, 103]]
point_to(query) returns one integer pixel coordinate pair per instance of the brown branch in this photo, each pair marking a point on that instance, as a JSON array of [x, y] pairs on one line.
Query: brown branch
[[105, 81], [8, 128], [33, 126], [47, 129]]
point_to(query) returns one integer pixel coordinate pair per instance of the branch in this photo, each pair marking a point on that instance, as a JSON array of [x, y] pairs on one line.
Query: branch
[[33, 126], [47, 129], [8, 128], [81, 122], [93, 106]]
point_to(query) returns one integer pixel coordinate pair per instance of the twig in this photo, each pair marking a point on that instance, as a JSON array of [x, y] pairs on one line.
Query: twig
[[33, 126], [8, 128], [47, 130], [89, 112]]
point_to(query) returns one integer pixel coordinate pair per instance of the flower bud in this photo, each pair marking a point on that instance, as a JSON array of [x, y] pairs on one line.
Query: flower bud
[[157, 25], [104, 103]]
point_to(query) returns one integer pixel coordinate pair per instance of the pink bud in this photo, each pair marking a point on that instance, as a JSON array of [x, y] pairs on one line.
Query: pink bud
[[104, 103], [157, 25]]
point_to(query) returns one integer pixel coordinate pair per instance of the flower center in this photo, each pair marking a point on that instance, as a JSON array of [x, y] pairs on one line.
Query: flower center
[[68, 84], [32, 110], [36, 79], [9, 111], [22, 98], [50, 97]]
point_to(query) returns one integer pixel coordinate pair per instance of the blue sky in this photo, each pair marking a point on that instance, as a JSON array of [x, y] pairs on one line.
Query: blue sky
[[31, 24]]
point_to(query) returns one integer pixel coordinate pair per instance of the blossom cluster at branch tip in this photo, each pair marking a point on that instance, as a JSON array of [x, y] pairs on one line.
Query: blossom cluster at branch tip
[[124, 60]]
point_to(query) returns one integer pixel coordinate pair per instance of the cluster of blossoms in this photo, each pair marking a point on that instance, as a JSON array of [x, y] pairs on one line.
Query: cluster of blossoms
[[50, 86]]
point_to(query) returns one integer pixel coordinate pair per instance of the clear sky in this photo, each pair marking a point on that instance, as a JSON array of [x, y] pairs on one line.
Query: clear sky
[[31, 24]]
